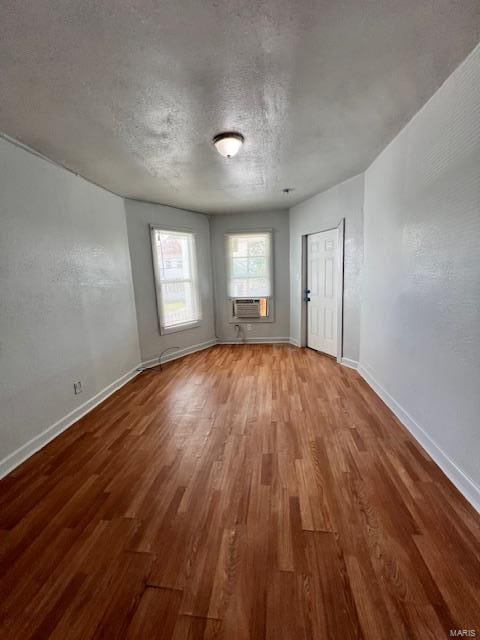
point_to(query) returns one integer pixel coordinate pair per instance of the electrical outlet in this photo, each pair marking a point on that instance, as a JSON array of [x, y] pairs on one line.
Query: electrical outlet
[[249, 327], [77, 388]]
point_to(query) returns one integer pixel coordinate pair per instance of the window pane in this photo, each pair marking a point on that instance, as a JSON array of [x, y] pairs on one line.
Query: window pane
[[239, 267], [258, 287], [257, 246], [178, 303], [257, 266], [175, 277], [250, 287], [174, 256], [240, 288], [249, 264], [239, 246]]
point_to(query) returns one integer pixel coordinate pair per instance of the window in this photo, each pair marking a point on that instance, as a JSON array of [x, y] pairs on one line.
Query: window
[[176, 280], [249, 265]]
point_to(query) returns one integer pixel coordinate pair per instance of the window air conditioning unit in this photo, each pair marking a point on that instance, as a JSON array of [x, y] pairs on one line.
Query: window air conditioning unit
[[246, 308]]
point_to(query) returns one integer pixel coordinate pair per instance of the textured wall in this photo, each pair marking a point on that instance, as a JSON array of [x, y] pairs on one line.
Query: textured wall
[[420, 331], [324, 211], [139, 216], [278, 222], [66, 297]]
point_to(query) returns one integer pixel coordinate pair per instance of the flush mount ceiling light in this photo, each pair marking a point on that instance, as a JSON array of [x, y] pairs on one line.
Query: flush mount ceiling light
[[228, 144]]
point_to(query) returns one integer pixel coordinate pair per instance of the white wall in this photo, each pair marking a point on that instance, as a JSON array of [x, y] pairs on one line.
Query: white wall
[[322, 212], [279, 223], [66, 297], [139, 216], [420, 330]]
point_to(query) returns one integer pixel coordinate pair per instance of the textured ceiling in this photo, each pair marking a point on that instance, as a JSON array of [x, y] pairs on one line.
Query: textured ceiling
[[129, 94]]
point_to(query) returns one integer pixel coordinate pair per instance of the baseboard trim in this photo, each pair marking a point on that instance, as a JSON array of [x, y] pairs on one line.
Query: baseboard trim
[[294, 343], [351, 364], [14, 459], [262, 340], [179, 353], [467, 487]]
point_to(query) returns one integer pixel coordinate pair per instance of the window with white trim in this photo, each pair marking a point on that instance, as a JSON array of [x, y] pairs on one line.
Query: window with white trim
[[249, 264], [176, 279]]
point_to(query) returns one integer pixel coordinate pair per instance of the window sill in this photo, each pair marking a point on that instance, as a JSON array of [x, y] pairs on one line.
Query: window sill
[[179, 327]]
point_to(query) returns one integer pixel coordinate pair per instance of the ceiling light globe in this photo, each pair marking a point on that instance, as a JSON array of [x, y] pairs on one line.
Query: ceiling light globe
[[228, 144]]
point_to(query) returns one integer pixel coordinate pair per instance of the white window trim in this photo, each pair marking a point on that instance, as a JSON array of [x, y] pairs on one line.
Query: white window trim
[[271, 298], [157, 281]]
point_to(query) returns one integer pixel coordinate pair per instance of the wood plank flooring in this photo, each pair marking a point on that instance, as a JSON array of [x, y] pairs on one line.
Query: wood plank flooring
[[244, 492]]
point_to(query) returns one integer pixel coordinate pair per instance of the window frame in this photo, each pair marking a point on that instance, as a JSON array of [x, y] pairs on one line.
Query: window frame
[[158, 281], [270, 317]]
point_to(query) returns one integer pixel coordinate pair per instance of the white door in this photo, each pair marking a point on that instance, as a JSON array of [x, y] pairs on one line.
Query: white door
[[322, 309]]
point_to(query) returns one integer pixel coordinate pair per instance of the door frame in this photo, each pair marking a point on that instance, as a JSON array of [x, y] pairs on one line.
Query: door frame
[[339, 270]]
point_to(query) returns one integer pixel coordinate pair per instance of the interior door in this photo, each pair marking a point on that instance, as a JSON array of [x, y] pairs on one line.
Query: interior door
[[322, 308]]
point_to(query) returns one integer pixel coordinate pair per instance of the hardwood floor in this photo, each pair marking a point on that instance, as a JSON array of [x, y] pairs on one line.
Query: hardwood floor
[[246, 491]]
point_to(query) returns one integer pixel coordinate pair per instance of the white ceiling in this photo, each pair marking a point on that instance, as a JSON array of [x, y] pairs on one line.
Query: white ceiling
[[129, 93]]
